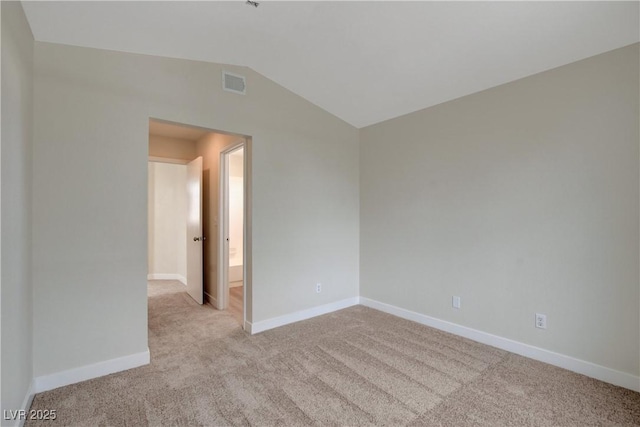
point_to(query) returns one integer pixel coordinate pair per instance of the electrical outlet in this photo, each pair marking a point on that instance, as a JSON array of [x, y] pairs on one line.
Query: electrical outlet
[[455, 302], [318, 288], [541, 321]]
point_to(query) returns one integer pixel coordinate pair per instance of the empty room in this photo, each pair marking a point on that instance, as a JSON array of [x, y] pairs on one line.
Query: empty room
[[320, 213]]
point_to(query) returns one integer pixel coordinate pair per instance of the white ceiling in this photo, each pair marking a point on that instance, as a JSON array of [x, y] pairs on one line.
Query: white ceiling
[[365, 62]]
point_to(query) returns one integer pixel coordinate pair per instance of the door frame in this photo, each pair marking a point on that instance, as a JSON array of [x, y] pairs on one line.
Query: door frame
[[247, 140], [223, 215]]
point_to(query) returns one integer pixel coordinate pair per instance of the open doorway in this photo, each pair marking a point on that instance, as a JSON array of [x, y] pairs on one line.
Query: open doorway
[[176, 148], [232, 218], [167, 216]]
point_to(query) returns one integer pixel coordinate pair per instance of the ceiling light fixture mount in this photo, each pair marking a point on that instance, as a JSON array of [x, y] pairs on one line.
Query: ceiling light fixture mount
[[253, 3]]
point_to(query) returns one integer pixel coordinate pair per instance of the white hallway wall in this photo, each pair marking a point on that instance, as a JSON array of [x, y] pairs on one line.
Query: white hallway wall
[[90, 195], [16, 171], [167, 253], [520, 199]]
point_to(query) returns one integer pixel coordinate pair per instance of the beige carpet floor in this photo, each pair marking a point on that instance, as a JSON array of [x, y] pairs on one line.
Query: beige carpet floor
[[357, 366]]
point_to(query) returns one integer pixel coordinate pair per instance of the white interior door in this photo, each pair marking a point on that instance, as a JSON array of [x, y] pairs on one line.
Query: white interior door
[[223, 275], [195, 238], [223, 243]]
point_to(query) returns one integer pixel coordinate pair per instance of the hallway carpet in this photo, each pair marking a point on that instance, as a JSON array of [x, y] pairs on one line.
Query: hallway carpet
[[357, 366]]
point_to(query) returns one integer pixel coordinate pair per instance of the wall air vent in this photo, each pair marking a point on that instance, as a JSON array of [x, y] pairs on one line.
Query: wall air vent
[[234, 83]]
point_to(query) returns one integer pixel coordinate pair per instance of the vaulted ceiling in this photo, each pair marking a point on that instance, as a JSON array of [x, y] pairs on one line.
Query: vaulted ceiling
[[362, 61]]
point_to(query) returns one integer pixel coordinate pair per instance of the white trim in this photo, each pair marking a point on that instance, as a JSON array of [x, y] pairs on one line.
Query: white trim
[[223, 244], [246, 231], [213, 301], [264, 325], [157, 159], [167, 276], [583, 367], [26, 403], [223, 214], [87, 372]]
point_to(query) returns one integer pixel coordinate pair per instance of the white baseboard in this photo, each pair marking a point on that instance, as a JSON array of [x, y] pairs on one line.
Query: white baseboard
[[26, 404], [583, 367], [264, 325], [213, 301], [166, 276], [235, 273], [83, 373]]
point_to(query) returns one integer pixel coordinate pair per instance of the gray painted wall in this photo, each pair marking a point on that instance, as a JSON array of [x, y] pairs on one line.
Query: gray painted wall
[[520, 199], [15, 165], [90, 183]]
